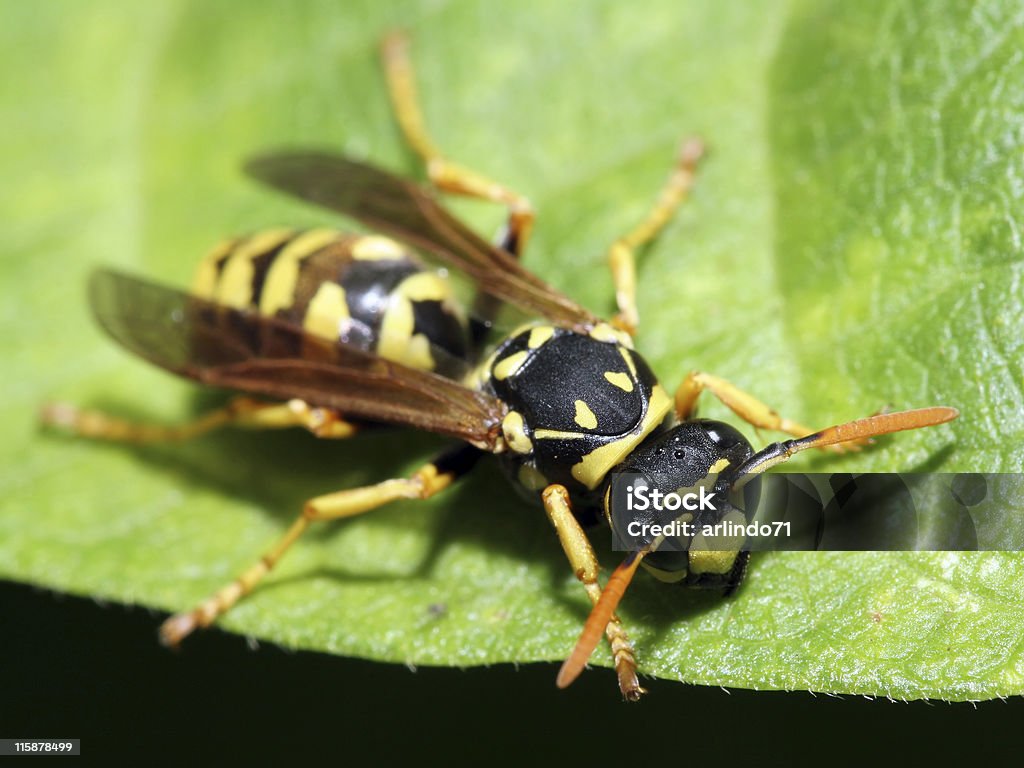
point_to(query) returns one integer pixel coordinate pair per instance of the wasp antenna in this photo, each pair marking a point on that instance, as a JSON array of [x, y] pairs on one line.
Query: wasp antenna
[[599, 617], [861, 429]]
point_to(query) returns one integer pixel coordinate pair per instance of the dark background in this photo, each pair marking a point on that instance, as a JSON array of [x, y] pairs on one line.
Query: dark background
[[73, 668]]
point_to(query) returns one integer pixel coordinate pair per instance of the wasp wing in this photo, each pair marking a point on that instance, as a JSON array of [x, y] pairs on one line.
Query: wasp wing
[[387, 203], [246, 351]]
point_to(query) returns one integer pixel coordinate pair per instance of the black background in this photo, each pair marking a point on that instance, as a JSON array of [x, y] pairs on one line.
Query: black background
[[73, 668]]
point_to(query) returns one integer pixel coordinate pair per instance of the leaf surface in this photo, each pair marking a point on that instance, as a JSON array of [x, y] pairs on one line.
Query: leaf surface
[[854, 243]]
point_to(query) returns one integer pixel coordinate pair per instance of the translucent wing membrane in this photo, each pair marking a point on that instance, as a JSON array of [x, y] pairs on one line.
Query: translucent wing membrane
[[242, 350], [401, 208]]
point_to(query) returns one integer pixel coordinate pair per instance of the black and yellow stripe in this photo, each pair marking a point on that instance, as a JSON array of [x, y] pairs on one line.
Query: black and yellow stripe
[[366, 291]]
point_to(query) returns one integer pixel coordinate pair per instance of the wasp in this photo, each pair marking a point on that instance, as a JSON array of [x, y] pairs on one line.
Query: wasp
[[332, 332]]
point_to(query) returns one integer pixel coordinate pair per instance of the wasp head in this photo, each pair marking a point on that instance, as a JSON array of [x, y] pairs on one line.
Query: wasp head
[[674, 497]]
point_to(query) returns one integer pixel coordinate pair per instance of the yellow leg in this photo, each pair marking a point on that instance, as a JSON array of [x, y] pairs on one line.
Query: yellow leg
[[621, 255], [744, 405], [240, 412], [427, 481], [584, 564], [444, 174]]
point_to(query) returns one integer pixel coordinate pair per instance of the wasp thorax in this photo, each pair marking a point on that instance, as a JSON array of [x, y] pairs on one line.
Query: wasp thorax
[[578, 403]]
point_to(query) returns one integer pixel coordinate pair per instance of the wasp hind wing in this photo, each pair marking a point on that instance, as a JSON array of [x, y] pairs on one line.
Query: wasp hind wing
[[396, 206]]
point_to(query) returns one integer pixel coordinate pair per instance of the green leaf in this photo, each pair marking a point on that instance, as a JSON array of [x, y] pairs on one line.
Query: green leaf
[[853, 244]]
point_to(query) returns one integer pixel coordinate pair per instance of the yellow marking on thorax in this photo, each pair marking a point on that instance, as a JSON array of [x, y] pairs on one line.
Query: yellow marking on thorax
[[475, 379], [605, 332], [509, 365], [326, 312], [283, 275], [584, 416], [628, 357], [205, 282], [592, 468], [377, 247], [556, 434], [234, 289], [514, 431], [539, 335], [620, 380]]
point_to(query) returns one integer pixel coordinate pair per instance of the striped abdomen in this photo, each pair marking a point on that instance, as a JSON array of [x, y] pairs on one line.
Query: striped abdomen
[[366, 291]]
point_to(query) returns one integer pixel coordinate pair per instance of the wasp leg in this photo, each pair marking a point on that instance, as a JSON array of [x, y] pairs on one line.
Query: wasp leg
[[584, 563], [622, 253], [444, 174], [427, 481], [241, 412], [744, 405]]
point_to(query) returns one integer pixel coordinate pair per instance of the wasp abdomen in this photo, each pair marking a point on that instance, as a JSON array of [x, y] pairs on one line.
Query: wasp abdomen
[[365, 291]]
